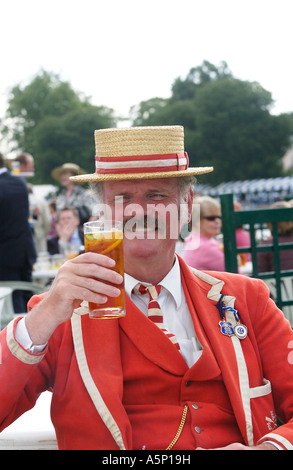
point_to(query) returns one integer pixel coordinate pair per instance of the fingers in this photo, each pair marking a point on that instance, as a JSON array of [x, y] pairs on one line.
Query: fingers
[[88, 276], [95, 259], [91, 287], [92, 266]]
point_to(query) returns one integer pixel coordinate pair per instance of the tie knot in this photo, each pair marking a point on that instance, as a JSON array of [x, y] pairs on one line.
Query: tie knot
[[153, 291]]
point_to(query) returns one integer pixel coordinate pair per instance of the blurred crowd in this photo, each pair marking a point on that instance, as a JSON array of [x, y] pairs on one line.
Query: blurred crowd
[[34, 228], [203, 248]]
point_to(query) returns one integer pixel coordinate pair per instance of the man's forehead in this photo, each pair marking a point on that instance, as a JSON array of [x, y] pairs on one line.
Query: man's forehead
[[134, 185], [66, 214]]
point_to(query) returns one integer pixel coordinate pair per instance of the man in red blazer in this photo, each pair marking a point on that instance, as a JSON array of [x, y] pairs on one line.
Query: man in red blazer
[[122, 384]]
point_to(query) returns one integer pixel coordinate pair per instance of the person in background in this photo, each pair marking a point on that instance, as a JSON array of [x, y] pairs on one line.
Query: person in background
[[73, 194], [201, 249], [53, 213], [242, 237], [40, 219], [265, 259], [17, 248], [69, 236], [39, 215], [26, 165]]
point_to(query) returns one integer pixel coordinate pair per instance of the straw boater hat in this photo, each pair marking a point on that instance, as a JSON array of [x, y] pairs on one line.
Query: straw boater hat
[[72, 167], [140, 153]]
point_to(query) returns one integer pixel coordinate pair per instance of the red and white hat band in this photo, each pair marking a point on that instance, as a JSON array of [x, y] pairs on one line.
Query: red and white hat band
[[142, 163]]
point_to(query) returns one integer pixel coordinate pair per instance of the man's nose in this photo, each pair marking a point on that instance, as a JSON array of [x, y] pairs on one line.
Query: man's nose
[[137, 209]]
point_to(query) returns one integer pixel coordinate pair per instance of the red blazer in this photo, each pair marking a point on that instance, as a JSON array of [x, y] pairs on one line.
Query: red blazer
[[84, 368]]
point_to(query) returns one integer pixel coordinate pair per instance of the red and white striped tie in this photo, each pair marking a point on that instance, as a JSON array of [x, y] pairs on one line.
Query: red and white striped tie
[[154, 311]]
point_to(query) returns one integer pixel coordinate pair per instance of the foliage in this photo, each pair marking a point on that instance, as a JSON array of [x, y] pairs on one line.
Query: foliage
[[227, 123], [48, 119]]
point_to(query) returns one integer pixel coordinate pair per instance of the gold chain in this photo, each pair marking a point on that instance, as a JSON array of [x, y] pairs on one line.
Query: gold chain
[[182, 422]]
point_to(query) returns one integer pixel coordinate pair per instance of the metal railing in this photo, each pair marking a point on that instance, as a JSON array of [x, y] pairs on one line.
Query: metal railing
[[253, 219]]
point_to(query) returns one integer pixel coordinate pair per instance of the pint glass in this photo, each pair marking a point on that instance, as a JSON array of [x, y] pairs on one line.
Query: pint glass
[[106, 237]]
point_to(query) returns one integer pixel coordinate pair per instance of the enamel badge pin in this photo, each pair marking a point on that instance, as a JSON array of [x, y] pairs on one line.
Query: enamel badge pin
[[240, 331], [226, 327]]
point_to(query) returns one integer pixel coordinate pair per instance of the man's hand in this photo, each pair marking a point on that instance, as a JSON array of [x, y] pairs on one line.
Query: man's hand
[[65, 231], [82, 278]]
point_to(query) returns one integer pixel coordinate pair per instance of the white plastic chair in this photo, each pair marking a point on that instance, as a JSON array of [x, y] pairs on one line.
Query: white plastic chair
[[6, 306], [7, 312]]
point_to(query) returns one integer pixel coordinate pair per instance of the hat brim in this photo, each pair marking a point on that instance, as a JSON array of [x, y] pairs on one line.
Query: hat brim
[[94, 177]]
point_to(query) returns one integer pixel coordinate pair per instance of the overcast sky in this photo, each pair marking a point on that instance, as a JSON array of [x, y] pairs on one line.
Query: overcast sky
[[120, 52]]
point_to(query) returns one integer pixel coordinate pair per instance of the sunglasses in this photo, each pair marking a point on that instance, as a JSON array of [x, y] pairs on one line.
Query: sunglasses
[[212, 218]]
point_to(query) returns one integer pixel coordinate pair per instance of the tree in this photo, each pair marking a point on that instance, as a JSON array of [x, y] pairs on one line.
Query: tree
[[198, 77], [160, 112], [236, 133], [56, 124], [68, 138], [143, 112], [227, 123]]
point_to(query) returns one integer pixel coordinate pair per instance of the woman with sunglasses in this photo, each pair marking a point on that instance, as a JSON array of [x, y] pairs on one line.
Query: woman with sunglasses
[[201, 250]]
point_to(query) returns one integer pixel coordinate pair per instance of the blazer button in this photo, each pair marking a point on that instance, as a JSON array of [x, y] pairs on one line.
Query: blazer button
[[188, 383], [194, 406], [197, 429]]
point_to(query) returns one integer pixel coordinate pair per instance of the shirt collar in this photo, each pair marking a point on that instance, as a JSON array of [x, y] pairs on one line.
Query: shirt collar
[[171, 282]]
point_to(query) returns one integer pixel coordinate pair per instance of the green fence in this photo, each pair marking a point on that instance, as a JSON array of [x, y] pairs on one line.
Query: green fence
[[254, 219]]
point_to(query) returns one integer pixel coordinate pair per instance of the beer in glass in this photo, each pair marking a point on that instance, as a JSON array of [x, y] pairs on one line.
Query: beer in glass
[[106, 237]]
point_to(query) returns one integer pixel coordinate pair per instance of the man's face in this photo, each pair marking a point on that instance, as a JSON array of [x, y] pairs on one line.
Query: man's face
[[29, 166], [149, 210], [64, 178], [68, 219]]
